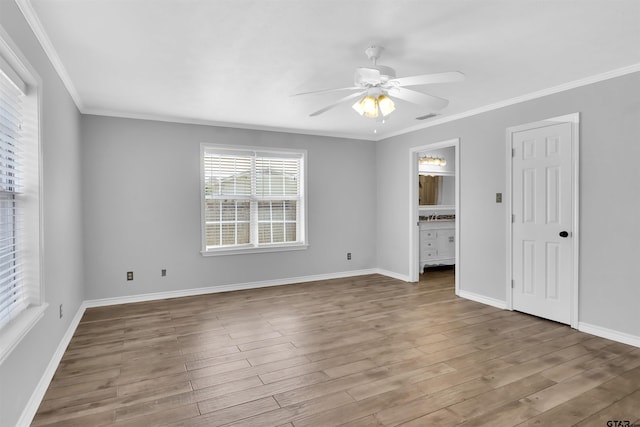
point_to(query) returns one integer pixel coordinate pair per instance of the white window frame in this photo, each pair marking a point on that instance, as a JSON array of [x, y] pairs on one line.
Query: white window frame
[[302, 242], [16, 67]]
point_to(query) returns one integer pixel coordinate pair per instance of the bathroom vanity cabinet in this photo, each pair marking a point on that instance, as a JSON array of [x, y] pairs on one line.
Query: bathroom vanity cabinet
[[437, 243]]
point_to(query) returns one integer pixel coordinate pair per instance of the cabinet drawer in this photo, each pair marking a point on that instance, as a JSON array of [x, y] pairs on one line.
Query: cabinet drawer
[[428, 254], [428, 244], [428, 234]]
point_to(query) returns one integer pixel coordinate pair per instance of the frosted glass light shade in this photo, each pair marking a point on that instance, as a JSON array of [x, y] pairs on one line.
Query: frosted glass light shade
[[367, 106], [370, 106], [386, 105]]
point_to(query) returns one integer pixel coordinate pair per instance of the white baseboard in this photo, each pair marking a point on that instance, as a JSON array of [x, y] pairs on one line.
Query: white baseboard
[[36, 397], [610, 334], [392, 274], [483, 299], [598, 331], [224, 288]]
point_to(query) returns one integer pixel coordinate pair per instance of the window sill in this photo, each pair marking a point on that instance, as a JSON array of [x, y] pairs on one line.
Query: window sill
[[253, 250], [12, 333]]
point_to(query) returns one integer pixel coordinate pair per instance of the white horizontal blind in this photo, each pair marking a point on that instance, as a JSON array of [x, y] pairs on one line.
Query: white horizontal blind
[[227, 199], [13, 295], [251, 199], [278, 193]]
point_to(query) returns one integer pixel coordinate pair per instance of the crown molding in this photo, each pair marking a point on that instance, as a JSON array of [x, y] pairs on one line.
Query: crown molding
[[619, 72], [36, 26], [204, 122], [34, 22]]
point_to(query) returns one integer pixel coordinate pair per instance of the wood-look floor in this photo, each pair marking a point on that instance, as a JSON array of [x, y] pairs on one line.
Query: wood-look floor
[[361, 351]]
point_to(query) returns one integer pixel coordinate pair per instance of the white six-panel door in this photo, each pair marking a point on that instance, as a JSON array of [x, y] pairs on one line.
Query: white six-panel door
[[542, 223]]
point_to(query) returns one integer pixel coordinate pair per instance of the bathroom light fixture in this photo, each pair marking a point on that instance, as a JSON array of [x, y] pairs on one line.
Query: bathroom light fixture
[[372, 106], [433, 161]]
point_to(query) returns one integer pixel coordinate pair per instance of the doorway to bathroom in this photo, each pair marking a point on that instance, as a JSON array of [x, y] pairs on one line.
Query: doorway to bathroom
[[434, 207]]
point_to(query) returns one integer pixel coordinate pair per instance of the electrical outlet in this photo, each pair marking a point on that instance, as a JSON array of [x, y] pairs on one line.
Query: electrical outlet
[[129, 275], [60, 311], [498, 197], [348, 256], [163, 272]]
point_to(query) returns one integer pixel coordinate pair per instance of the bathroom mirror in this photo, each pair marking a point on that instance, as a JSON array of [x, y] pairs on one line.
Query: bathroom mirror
[[436, 190]]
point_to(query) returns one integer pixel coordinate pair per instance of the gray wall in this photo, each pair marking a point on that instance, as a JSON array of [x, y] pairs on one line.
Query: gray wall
[[61, 210], [142, 208], [609, 197]]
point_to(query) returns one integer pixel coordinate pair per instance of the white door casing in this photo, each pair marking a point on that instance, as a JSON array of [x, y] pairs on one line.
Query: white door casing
[[414, 231], [543, 231]]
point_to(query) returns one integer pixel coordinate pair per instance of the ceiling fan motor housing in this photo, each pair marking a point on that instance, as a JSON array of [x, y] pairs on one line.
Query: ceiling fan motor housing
[[376, 74], [373, 76]]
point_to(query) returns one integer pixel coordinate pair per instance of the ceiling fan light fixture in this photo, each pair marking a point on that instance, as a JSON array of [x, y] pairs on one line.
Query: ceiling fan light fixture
[[376, 82], [371, 106]]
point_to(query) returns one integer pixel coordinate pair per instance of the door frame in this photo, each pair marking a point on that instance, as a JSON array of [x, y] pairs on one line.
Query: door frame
[[574, 120], [414, 229]]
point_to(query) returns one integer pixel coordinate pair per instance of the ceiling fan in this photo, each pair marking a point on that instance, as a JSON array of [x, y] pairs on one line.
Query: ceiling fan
[[376, 85]]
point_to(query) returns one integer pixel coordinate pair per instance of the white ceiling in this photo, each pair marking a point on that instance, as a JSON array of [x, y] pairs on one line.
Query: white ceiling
[[236, 62]]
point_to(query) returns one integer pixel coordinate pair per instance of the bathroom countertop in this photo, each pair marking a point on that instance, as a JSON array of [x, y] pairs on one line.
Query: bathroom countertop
[[437, 218]]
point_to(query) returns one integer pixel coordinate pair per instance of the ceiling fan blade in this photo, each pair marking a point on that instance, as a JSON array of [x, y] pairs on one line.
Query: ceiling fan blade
[[316, 92], [429, 101], [425, 79], [338, 102]]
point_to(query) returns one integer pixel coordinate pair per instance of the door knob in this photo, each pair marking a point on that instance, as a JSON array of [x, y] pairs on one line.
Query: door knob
[[564, 234]]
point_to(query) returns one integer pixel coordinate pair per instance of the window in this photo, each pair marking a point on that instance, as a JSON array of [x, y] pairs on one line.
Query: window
[[12, 293], [21, 302], [252, 200]]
